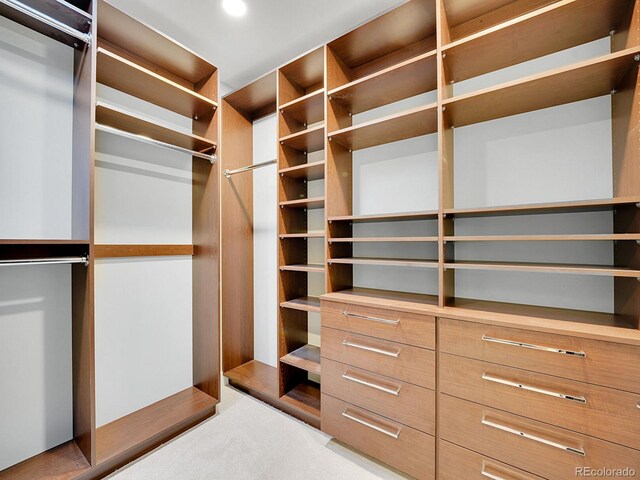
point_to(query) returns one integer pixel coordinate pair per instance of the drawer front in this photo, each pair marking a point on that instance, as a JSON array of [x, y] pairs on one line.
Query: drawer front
[[403, 402], [590, 409], [402, 447], [403, 362], [536, 447], [457, 463], [592, 361], [409, 328]]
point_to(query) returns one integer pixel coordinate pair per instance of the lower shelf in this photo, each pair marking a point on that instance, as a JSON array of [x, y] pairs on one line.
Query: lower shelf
[[63, 462], [305, 396], [306, 358]]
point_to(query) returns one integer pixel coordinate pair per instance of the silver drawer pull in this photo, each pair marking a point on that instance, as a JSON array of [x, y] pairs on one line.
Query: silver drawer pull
[[372, 319], [535, 438], [351, 378], [484, 473], [371, 349], [350, 416], [532, 346], [529, 388]]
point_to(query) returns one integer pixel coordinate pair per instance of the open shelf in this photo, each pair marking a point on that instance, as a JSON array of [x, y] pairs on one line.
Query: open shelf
[[544, 208], [386, 298], [383, 239], [389, 262], [305, 358], [309, 140], [146, 426], [581, 81], [119, 251], [546, 238], [403, 80], [386, 217], [306, 304], [301, 77], [400, 126], [121, 119], [305, 397], [302, 235], [122, 74], [306, 171], [317, 202], [307, 109], [561, 25], [313, 268], [601, 270], [63, 462], [256, 100]]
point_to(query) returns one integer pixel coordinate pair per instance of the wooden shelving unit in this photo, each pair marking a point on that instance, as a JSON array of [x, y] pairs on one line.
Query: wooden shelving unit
[[545, 268], [383, 239], [311, 268], [306, 171], [385, 217], [306, 358], [307, 304], [307, 109], [389, 262], [574, 237], [309, 140]]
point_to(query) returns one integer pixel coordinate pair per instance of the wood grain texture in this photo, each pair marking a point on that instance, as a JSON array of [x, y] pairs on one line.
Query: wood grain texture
[[118, 251], [306, 171], [308, 304], [316, 202], [304, 72], [307, 109], [390, 262], [64, 462], [256, 100], [397, 301], [309, 140], [600, 270], [386, 217], [306, 358]]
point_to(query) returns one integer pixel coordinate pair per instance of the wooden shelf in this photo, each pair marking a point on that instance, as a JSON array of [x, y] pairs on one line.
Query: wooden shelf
[[383, 239], [305, 397], [308, 109], [305, 358], [256, 100], [144, 427], [117, 72], [306, 71], [306, 171], [545, 208], [400, 126], [546, 268], [63, 462], [403, 80], [389, 262], [302, 235], [312, 268], [115, 117], [560, 86], [119, 251], [317, 202], [561, 25], [574, 237], [402, 301], [309, 140], [306, 304], [256, 376], [386, 217]]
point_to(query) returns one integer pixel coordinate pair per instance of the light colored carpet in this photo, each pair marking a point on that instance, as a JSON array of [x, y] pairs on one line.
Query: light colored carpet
[[250, 440]]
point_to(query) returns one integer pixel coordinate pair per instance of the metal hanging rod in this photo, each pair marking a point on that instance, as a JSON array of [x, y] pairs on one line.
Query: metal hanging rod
[[47, 20], [45, 261], [141, 138], [248, 168]]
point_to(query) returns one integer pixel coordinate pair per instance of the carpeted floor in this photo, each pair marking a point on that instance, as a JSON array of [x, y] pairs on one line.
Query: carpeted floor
[[249, 440]]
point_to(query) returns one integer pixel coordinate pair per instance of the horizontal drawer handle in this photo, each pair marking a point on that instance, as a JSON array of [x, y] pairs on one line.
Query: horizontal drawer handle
[[529, 388], [351, 378], [484, 473], [353, 417], [532, 346], [535, 438], [371, 349], [372, 319]]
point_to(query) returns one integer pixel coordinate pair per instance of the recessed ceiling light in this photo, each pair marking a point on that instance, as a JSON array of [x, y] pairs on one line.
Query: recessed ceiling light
[[235, 8]]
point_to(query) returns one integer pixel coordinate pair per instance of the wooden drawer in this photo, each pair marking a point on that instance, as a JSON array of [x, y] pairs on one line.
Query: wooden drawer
[[402, 447], [403, 402], [403, 362], [409, 328], [590, 409], [457, 463], [536, 447], [592, 361]]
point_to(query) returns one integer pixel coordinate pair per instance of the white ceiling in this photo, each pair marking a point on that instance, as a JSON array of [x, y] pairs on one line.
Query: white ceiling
[[271, 33]]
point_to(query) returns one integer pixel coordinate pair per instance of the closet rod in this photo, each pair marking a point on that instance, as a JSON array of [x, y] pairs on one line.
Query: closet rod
[[228, 173], [116, 131], [45, 261], [47, 20]]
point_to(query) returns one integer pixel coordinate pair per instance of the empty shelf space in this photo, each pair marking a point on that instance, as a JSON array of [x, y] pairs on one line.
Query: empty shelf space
[[601, 270], [308, 109], [400, 126], [307, 304], [309, 140], [383, 239], [317, 202], [545, 208], [122, 74], [305, 397], [63, 462], [119, 251], [389, 262], [581, 81], [256, 100], [306, 171], [416, 302], [386, 217], [549, 29], [255, 376], [313, 268], [306, 358], [302, 235], [150, 424], [403, 80], [574, 237], [115, 117]]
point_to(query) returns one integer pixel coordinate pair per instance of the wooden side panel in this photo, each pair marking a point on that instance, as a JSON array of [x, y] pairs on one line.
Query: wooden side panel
[[237, 240], [627, 32]]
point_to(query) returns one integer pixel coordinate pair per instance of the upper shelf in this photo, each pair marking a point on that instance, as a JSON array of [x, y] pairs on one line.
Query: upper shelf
[[122, 74], [386, 217], [307, 171], [256, 100], [601, 270], [400, 126], [561, 25], [581, 81], [307, 109], [309, 140]]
